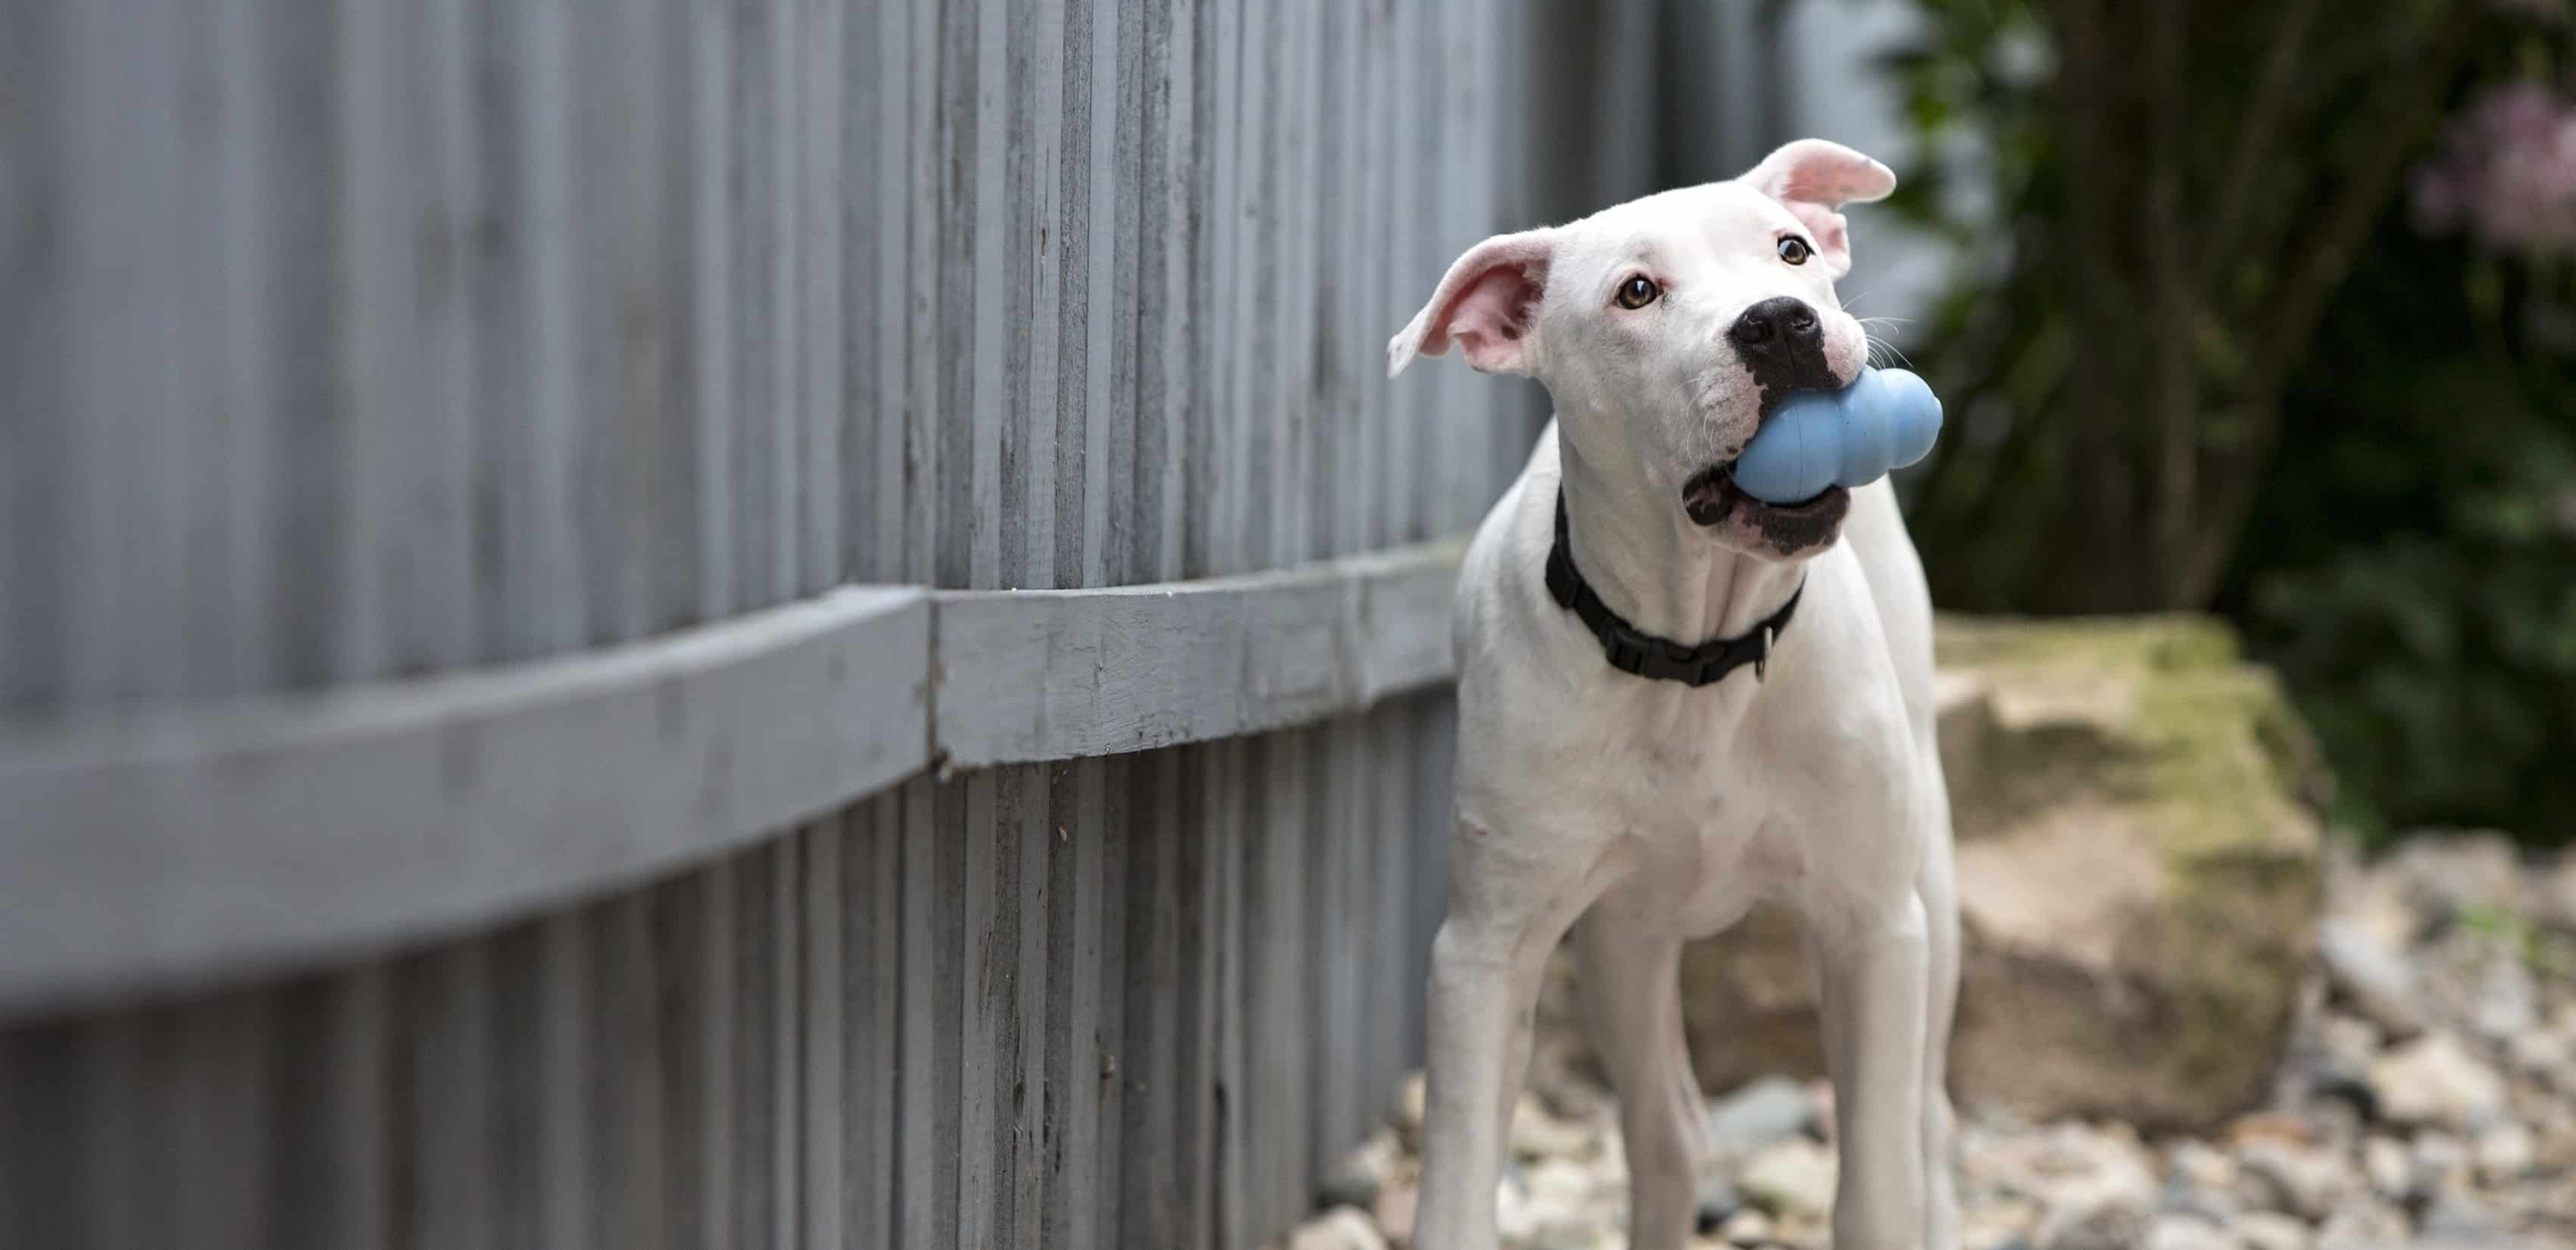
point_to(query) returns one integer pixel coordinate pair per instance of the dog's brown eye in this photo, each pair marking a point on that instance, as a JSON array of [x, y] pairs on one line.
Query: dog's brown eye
[[1795, 250], [1638, 291]]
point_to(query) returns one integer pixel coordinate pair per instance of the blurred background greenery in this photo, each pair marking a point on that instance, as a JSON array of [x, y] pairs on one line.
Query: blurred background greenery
[[2271, 310]]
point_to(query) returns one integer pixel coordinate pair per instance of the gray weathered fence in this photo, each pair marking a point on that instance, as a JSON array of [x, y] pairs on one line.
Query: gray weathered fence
[[444, 800]]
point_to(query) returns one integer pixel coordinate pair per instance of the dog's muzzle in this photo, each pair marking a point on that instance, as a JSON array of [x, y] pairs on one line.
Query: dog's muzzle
[[1781, 342]]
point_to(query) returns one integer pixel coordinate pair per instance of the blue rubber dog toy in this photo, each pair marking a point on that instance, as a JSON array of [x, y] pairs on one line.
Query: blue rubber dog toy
[[1885, 420]]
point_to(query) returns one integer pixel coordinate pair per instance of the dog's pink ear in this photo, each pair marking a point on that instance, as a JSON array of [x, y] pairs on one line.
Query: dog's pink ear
[[1487, 304], [1812, 178]]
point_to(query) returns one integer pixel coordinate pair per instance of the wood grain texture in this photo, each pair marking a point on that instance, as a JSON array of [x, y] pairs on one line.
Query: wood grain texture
[[344, 637], [1065, 674], [140, 852]]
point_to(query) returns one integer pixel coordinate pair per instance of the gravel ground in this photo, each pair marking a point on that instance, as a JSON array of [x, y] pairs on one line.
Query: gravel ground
[[2429, 1100]]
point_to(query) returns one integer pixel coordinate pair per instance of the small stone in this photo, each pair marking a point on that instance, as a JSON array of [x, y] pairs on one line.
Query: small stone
[[2548, 1054], [2387, 1165], [1799, 1232], [2434, 1080], [1745, 1228], [2449, 874], [1408, 1107], [1718, 1203], [1759, 1114], [2218, 1206], [2553, 893], [2378, 984], [1342, 1188], [1794, 1177], [1998, 1222], [2364, 1226], [2459, 1217], [2187, 1232], [1538, 1133], [2441, 1162], [2505, 1153], [2105, 1214], [2305, 1181], [1342, 1228], [2508, 999], [1396, 1201], [2268, 1230], [2202, 1167], [1353, 1180]]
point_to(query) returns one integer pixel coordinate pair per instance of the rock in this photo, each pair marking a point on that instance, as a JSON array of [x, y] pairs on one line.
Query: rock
[[2187, 1232], [1718, 1203], [1556, 1205], [1746, 1228], [1408, 1109], [1394, 1208], [1354, 1180], [1342, 1228], [1794, 1177], [1538, 1133], [2433, 1080], [2448, 874], [2441, 1163], [2364, 1226], [2553, 895], [2139, 878], [2201, 1167], [2267, 1230], [2305, 1181], [2505, 1153], [1759, 1114], [2547, 1054], [2390, 1169], [2106, 1214], [1998, 1223], [2508, 999], [2378, 984], [2459, 1217]]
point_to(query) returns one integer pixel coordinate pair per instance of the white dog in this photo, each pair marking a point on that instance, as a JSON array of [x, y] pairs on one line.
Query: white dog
[[1648, 740]]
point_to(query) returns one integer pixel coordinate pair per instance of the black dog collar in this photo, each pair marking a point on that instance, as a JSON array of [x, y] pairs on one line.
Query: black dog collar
[[1631, 650]]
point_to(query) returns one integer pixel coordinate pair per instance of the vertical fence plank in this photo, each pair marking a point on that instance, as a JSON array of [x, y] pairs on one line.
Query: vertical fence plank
[[987, 940], [871, 867], [753, 1143], [451, 1091], [118, 247], [34, 341], [630, 1154], [1031, 1103], [818, 1097]]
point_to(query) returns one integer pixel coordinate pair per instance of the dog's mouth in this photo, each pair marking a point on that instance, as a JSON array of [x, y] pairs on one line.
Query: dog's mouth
[[1712, 498]]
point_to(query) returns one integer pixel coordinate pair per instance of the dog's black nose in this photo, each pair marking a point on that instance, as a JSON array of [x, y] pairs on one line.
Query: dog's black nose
[[1782, 344], [1781, 323]]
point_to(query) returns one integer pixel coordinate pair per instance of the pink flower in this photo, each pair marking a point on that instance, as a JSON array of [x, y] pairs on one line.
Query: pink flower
[[2506, 173]]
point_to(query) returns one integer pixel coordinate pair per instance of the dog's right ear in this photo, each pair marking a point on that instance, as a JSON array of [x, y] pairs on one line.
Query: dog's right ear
[[1487, 303]]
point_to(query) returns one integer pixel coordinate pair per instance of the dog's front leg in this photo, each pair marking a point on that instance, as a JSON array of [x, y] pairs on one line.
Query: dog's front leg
[[1872, 971], [1506, 911]]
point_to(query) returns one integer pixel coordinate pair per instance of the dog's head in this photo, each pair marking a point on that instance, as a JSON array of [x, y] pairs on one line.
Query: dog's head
[[1668, 327]]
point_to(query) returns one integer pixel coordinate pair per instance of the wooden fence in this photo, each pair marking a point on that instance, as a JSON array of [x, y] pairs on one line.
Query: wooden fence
[[639, 623], [636, 623]]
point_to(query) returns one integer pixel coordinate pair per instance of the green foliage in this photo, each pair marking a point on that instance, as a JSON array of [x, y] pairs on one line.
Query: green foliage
[[2411, 563], [2198, 356]]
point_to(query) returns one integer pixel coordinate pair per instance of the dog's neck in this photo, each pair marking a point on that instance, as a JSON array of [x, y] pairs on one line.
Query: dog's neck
[[1652, 565]]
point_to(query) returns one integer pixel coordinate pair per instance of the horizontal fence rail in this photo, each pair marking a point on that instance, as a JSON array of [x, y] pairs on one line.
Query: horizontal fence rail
[[153, 850]]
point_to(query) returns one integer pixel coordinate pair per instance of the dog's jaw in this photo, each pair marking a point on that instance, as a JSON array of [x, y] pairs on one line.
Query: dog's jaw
[[1789, 531]]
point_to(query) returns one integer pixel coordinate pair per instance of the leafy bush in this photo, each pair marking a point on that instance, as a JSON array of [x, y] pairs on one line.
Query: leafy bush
[[2272, 309]]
